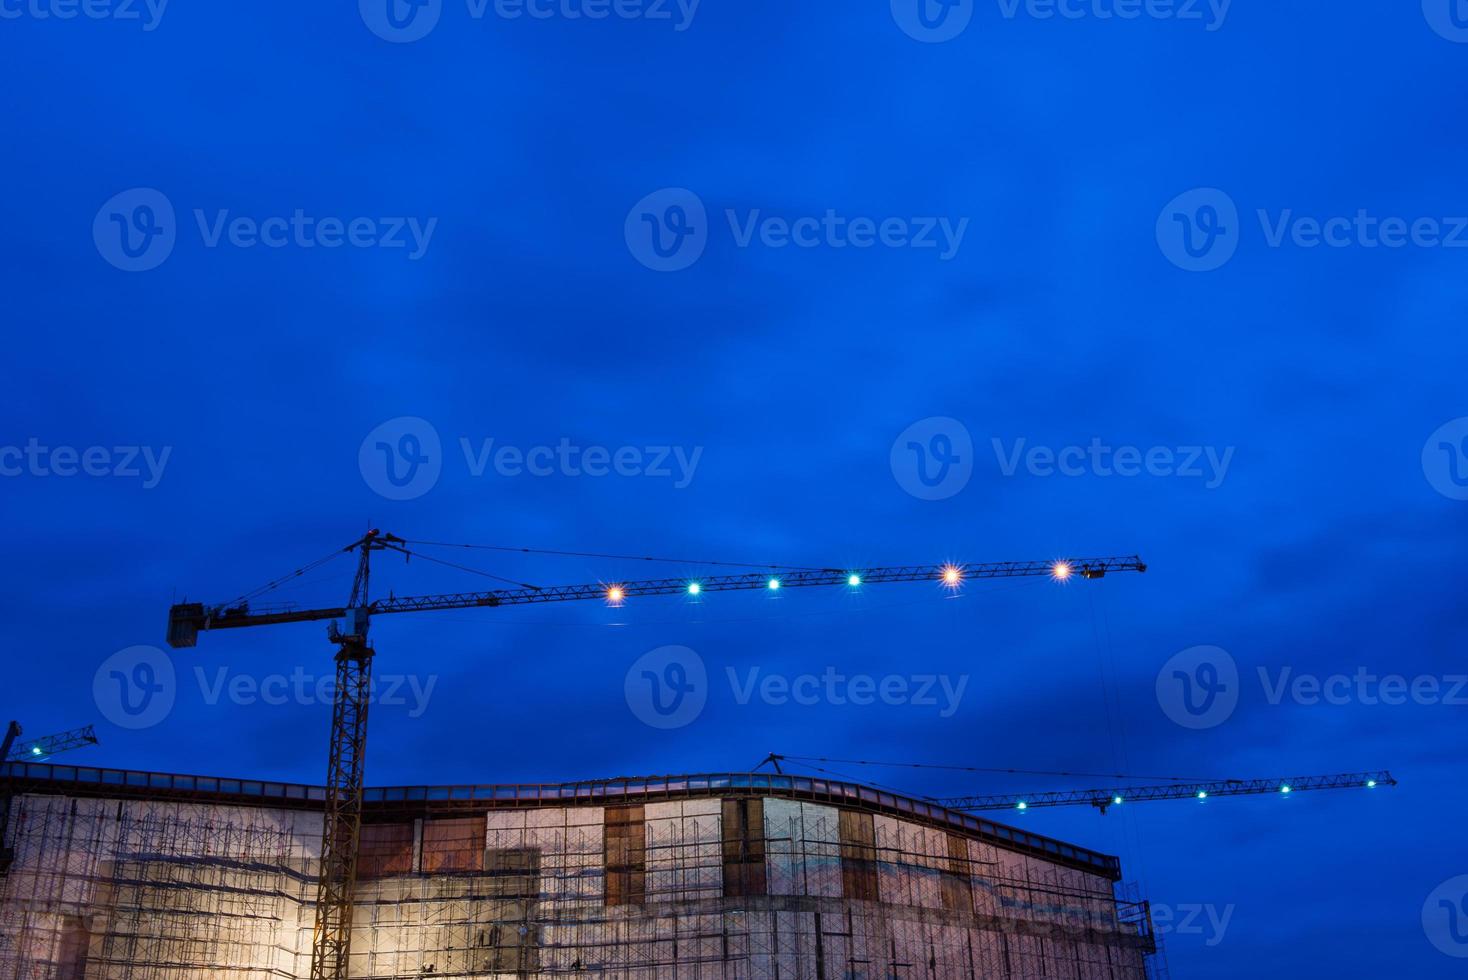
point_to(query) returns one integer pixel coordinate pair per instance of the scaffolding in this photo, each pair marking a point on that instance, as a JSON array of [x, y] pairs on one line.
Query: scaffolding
[[774, 889]]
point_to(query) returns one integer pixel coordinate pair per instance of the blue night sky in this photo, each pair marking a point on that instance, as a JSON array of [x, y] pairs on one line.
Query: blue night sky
[[610, 253]]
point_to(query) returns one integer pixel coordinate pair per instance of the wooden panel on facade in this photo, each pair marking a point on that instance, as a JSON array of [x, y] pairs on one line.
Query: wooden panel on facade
[[453, 845], [385, 849], [957, 882], [626, 855], [744, 848], [858, 856]]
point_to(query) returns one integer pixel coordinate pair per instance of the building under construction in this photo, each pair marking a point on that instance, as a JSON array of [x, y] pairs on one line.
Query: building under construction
[[150, 876]]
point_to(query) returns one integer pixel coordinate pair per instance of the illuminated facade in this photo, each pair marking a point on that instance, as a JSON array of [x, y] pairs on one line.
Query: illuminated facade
[[733, 876]]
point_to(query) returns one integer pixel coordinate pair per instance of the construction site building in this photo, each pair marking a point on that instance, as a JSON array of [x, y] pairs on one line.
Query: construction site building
[[122, 875]]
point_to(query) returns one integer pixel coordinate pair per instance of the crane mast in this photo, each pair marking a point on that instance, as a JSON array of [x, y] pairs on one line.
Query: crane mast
[[341, 832], [342, 828]]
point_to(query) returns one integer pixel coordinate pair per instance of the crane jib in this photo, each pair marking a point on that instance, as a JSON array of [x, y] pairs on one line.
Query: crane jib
[[186, 620]]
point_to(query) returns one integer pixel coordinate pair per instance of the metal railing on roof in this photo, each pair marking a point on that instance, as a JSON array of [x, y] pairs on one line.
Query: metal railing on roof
[[587, 791]]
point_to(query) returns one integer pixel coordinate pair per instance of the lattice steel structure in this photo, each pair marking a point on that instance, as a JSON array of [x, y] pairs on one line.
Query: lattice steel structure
[[1103, 799]]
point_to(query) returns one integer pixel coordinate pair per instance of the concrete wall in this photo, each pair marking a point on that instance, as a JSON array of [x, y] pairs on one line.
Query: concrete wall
[[125, 889]]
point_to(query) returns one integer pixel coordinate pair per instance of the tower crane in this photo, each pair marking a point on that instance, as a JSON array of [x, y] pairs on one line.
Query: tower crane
[[45, 746], [31, 750], [1102, 799], [331, 936]]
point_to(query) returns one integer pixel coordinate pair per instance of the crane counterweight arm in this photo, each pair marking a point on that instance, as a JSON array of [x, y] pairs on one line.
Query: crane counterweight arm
[[185, 620], [1104, 798]]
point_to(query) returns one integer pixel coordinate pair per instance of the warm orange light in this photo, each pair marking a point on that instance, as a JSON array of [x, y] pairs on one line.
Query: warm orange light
[[1061, 571], [615, 595], [952, 575]]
